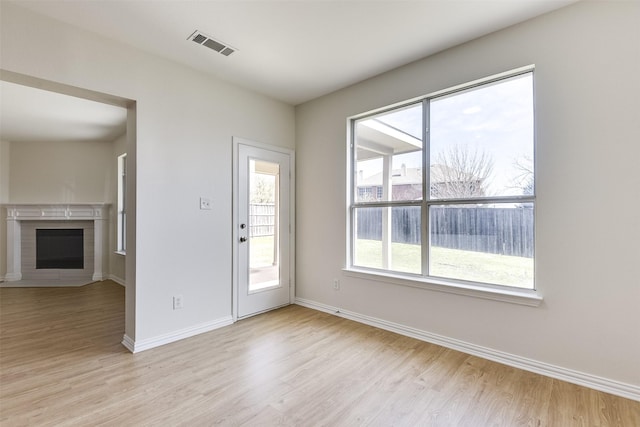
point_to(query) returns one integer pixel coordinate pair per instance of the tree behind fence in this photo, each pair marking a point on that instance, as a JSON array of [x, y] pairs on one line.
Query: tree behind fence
[[490, 230]]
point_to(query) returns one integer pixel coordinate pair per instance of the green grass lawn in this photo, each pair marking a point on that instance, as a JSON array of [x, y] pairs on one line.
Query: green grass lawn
[[450, 263], [447, 263], [261, 251]]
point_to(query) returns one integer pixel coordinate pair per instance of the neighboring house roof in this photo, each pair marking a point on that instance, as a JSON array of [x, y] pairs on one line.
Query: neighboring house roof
[[398, 176], [404, 175]]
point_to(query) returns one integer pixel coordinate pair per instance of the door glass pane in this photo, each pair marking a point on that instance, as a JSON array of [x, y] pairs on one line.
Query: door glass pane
[[483, 243], [388, 238], [388, 164], [482, 141], [264, 256]]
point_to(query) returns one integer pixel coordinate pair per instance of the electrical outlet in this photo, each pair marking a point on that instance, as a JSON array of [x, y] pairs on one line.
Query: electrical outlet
[[177, 302], [336, 284], [205, 203]]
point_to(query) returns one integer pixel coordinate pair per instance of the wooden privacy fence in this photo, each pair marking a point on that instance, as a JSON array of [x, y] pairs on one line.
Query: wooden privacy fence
[[261, 219], [490, 230]]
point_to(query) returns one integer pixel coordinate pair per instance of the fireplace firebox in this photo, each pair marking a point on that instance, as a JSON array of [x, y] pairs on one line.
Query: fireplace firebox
[[60, 248]]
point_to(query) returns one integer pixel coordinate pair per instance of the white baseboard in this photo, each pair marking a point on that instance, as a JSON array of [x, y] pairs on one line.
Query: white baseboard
[[146, 344], [120, 281], [628, 391], [44, 283], [129, 343]]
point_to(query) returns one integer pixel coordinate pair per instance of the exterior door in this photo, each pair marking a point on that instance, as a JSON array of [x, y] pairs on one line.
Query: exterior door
[[262, 229]]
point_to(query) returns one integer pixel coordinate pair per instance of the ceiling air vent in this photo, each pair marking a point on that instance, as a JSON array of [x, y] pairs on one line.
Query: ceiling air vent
[[211, 43]]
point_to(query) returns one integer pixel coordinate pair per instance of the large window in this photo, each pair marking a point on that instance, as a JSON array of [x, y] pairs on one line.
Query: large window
[[443, 187]]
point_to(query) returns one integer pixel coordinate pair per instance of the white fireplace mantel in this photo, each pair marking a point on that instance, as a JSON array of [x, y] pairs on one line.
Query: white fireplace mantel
[[47, 212], [96, 212]]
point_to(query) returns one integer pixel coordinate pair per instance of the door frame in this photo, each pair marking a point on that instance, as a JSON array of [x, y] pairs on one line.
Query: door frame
[[235, 226]]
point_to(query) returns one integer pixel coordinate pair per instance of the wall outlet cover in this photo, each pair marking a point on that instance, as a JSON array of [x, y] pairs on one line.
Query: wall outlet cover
[[205, 203]]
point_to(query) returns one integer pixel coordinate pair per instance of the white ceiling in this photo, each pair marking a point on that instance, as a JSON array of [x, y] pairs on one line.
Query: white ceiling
[[294, 50], [35, 115]]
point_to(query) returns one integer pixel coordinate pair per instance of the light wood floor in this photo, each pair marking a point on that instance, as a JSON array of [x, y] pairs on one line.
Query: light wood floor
[[62, 364]]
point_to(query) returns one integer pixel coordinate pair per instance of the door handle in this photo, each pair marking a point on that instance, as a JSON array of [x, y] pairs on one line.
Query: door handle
[[243, 239]]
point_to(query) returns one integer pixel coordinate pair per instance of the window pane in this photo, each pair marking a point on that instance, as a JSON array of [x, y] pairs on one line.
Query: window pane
[[122, 208], [388, 163], [481, 141], [483, 243], [388, 238], [264, 259]]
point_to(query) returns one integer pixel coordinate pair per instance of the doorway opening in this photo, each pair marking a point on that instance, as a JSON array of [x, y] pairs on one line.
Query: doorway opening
[[15, 119]]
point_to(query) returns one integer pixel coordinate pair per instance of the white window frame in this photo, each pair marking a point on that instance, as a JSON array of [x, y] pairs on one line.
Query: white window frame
[[522, 296], [121, 227]]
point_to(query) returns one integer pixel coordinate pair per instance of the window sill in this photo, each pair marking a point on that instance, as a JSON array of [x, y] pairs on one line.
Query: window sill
[[527, 297], [123, 253]]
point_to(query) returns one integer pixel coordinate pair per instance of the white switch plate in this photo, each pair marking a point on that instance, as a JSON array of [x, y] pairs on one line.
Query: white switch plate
[[205, 203]]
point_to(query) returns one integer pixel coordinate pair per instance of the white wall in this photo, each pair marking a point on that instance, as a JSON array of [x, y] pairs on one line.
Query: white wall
[[5, 151], [587, 59], [61, 172], [185, 124]]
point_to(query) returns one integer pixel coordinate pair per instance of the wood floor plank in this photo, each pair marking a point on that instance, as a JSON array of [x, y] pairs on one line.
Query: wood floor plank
[[62, 364]]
